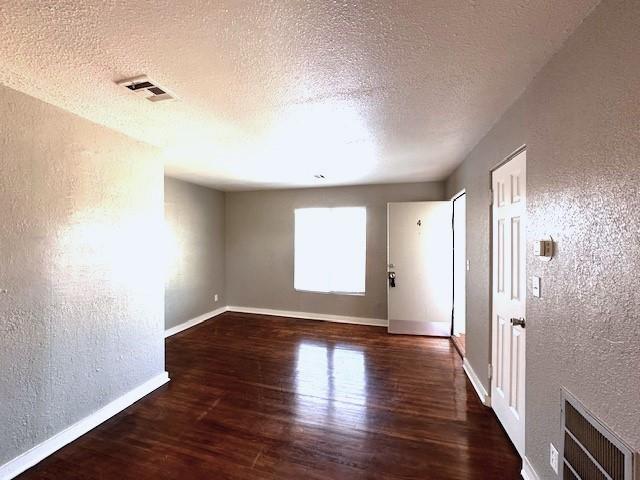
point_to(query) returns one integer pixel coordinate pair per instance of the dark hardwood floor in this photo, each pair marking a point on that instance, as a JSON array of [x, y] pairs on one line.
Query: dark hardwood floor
[[459, 342], [256, 397]]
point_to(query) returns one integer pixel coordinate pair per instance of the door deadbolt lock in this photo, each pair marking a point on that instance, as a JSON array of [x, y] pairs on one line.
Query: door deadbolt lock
[[392, 279]]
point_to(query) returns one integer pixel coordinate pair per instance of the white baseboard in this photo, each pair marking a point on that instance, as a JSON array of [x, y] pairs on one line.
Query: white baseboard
[[38, 453], [194, 321], [376, 322], [528, 473], [412, 327], [485, 398]]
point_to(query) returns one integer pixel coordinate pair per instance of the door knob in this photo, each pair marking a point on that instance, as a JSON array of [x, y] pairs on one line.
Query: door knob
[[392, 279], [518, 321]]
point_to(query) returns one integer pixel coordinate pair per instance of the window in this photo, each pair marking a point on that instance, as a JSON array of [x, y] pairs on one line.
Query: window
[[330, 249]]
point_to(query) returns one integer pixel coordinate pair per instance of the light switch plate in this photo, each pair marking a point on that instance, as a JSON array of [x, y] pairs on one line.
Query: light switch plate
[[535, 286]]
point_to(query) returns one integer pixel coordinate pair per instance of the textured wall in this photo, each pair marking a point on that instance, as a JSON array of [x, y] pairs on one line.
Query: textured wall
[[81, 310], [473, 175], [579, 119], [260, 235], [194, 216]]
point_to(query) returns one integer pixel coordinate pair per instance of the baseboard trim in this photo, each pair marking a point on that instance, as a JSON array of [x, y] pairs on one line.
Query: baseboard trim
[[375, 322], [412, 327], [38, 453], [485, 398], [528, 473], [194, 321]]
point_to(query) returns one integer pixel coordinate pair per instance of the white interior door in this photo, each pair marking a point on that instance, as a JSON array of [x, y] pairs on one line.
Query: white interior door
[[509, 297], [459, 264], [419, 255]]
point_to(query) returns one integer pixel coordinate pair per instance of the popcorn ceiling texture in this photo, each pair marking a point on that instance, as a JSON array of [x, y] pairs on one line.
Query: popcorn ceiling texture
[[273, 92], [579, 119], [81, 295]]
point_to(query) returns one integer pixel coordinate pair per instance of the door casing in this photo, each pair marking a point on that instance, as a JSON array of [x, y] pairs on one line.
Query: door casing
[[456, 313]]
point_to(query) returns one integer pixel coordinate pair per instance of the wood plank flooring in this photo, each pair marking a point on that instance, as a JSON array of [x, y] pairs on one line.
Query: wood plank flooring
[[459, 343], [256, 397]]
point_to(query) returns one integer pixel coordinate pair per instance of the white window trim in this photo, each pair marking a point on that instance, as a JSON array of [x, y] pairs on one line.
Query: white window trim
[[332, 292]]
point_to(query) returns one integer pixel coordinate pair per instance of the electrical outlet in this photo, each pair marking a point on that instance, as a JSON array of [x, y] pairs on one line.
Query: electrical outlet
[[215, 297], [553, 458]]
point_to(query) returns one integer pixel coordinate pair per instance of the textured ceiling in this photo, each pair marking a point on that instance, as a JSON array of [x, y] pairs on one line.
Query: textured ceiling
[[273, 92]]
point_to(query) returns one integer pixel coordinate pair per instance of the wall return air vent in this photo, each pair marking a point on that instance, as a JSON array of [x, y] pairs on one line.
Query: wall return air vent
[[147, 88], [591, 451]]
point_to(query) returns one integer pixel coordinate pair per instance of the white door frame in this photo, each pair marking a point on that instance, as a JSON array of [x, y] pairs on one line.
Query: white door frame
[[506, 160], [453, 199]]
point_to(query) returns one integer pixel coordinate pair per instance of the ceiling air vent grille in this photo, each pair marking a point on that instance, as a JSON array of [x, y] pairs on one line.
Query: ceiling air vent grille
[[147, 88], [590, 450]]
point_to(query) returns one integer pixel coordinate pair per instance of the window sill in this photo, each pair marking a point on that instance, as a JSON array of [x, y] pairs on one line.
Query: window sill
[[349, 294]]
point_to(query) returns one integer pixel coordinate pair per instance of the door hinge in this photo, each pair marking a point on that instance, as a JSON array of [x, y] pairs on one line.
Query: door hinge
[[490, 371], [490, 197]]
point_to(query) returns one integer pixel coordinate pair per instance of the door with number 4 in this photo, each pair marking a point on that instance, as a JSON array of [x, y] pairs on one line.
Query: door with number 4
[[509, 297]]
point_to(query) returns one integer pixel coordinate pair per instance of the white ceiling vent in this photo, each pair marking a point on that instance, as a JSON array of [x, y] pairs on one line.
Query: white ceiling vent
[[147, 88]]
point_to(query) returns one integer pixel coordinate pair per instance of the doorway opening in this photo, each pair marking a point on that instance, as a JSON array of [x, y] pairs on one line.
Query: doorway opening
[[419, 268], [459, 315]]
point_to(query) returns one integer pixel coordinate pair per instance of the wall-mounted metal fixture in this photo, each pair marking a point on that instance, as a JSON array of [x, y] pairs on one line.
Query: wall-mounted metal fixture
[[590, 450]]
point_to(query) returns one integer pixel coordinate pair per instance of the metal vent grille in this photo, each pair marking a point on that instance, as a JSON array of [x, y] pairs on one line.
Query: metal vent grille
[[568, 474], [147, 88], [591, 451]]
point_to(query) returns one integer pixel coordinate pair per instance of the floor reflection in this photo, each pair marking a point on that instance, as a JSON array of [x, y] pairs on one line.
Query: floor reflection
[[331, 385]]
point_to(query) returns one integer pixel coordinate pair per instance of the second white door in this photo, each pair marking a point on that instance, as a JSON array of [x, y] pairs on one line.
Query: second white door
[[509, 297]]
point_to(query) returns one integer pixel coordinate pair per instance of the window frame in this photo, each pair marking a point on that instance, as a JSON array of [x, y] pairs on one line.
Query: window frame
[[366, 238]]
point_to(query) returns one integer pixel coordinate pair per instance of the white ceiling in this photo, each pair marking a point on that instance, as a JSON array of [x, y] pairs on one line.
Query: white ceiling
[[273, 92]]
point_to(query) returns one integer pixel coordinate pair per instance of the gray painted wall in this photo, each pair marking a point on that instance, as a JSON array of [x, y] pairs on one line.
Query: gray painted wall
[[259, 246], [194, 216], [580, 120], [81, 311], [473, 175]]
